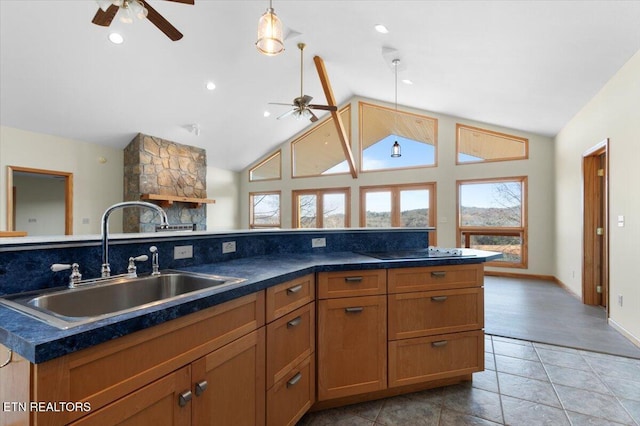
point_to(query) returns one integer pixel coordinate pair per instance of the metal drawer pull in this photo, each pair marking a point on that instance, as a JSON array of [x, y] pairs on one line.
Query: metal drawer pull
[[184, 398], [353, 279], [201, 387], [438, 298], [294, 322], [294, 380], [439, 344], [438, 274], [294, 289], [354, 310]]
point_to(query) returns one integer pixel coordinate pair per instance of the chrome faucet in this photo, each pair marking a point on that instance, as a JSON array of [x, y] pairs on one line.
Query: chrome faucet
[[164, 223]]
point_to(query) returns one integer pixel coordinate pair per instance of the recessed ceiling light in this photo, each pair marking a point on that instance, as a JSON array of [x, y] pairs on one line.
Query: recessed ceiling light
[[211, 85], [381, 29], [116, 38], [407, 81], [266, 114]]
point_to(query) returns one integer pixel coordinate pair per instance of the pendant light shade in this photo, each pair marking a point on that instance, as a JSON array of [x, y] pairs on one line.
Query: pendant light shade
[[270, 40], [395, 150]]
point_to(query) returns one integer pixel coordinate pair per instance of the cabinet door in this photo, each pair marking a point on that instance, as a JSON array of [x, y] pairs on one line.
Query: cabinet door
[[158, 403], [435, 312], [228, 384], [352, 338]]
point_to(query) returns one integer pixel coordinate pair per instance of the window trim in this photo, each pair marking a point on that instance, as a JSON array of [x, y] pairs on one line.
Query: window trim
[[522, 231], [399, 111], [395, 190], [251, 212], [264, 161], [493, 133], [319, 192]]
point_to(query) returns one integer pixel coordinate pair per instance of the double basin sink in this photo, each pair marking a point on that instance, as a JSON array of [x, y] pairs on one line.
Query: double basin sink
[[108, 297]]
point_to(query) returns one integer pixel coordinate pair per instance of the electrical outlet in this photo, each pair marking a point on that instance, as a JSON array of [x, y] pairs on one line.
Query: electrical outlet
[[228, 247], [318, 242], [183, 252], [620, 300]]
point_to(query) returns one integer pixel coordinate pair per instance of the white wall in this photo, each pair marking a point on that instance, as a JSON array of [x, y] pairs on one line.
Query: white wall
[[223, 186], [613, 113], [539, 168], [96, 185]]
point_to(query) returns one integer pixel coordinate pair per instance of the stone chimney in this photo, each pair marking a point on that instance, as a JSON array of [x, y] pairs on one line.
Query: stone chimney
[[157, 166]]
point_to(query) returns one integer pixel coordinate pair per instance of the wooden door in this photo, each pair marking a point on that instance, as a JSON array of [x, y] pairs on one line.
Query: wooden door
[[229, 384], [352, 346], [156, 404], [595, 274]]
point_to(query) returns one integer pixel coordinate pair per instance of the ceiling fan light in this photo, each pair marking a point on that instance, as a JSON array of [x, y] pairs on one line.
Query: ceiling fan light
[[138, 9], [270, 34], [126, 17]]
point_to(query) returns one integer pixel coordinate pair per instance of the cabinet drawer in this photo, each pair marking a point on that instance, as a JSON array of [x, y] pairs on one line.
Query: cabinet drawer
[[435, 357], [352, 283], [435, 312], [284, 298], [292, 396], [290, 339], [403, 280]]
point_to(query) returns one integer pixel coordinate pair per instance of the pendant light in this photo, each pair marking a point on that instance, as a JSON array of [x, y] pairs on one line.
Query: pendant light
[[395, 149], [270, 33]]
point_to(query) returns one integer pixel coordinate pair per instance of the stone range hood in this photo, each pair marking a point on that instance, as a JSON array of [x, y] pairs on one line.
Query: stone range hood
[[156, 166]]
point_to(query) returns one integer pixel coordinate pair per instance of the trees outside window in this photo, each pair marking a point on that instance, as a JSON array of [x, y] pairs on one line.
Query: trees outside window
[[264, 210], [321, 208]]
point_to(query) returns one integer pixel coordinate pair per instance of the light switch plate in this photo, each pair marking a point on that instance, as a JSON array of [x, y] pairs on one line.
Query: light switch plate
[[228, 247], [318, 242]]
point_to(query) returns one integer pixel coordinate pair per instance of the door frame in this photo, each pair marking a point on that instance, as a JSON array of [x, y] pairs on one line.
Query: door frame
[[68, 194], [595, 197]]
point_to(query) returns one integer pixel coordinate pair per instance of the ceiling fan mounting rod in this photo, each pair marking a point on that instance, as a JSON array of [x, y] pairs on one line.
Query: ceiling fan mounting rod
[[301, 46]]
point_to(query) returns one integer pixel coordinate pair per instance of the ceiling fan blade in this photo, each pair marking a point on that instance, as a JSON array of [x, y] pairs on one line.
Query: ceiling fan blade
[[104, 18], [323, 107], [287, 114], [313, 117], [183, 1], [162, 24], [306, 99]]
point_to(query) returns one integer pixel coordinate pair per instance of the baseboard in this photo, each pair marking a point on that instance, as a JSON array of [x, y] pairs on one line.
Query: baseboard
[[633, 339], [534, 277]]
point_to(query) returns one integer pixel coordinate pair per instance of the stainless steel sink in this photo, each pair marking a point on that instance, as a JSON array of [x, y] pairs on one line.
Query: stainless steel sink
[[108, 297]]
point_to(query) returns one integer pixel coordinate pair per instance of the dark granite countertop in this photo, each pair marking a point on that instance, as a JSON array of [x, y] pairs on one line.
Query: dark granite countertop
[[39, 342]]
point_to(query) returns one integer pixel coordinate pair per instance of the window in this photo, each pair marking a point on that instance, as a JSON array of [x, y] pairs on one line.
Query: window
[[475, 145], [492, 216], [268, 169], [407, 206], [264, 210], [319, 151], [321, 208], [380, 127]]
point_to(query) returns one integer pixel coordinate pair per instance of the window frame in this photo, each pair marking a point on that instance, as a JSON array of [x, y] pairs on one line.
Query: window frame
[[319, 193], [520, 231], [252, 225], [396, 212], [460, 126], [361, 125], [264, 161]]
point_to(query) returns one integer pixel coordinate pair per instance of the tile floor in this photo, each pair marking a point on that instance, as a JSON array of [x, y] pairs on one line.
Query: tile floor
[[524, 383]]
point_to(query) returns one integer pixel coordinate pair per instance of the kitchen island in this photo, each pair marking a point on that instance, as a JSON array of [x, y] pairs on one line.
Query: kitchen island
[[259, 334]]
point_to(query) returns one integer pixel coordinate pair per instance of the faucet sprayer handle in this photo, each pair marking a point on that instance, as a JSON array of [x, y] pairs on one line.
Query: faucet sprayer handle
[[153, 249]]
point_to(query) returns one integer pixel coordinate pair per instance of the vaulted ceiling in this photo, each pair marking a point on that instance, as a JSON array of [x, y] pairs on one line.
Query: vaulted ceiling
[[528, 65]]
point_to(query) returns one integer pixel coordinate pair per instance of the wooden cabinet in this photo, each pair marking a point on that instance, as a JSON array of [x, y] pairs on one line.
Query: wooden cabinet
[[105, 373], [436, 317], [290, 369], [352, 333]]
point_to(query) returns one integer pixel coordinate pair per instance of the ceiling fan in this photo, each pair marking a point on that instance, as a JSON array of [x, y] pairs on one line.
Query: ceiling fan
[[301, 106], [141, 9]]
